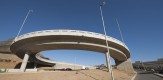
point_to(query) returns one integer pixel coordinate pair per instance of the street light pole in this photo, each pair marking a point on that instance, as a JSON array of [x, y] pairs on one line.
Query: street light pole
[[108, 63], [23, 24], [120, 30]]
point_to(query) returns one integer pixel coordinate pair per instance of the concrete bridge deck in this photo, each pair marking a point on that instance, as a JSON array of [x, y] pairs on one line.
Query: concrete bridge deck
[[35, 42]]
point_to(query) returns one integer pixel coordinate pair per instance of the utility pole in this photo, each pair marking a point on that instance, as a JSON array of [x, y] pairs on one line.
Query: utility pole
[[108, 60]]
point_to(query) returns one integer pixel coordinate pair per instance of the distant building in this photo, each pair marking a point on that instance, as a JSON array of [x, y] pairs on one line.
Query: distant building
[[156, 65], [160, 59]]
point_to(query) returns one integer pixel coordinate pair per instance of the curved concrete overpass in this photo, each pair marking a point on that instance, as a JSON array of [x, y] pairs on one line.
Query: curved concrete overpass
[[35, 42], [58, 65]]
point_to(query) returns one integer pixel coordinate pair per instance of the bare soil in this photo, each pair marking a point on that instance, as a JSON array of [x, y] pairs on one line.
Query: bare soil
[[66, 75]]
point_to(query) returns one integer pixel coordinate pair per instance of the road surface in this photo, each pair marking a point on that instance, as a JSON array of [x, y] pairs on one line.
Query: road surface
[[147, 76]]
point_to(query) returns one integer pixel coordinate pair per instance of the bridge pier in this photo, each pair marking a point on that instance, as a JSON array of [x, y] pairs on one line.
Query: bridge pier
[[125, 66], [107, 60], [24, 62], [35, 65]]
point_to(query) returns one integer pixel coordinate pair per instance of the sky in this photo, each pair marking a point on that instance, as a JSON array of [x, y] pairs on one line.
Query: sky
[[140, 22]]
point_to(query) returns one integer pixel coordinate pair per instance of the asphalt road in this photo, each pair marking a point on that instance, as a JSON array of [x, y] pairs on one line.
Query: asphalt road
[[147, 76]]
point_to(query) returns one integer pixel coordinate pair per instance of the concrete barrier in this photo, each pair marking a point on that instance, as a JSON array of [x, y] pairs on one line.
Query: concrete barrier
[[2, 70], [13, 70], [31, 70]]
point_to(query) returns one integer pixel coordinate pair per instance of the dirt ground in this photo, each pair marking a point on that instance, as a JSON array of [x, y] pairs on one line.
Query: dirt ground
[[66, 75]]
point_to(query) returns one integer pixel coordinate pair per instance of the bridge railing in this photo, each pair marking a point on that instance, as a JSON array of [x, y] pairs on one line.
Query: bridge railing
[[70, 32]]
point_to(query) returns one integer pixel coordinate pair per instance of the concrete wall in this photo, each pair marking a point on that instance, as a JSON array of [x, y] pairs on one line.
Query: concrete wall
[[9, 61], [72, 66], [125, 66]]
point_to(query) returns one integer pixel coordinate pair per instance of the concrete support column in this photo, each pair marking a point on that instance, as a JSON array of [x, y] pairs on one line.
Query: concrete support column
[[125, 66], [107, 60], [24, 62], [35, 65]]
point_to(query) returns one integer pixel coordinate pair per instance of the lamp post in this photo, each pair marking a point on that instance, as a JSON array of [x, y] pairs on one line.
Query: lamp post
[[108, 60], [23, 24]]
